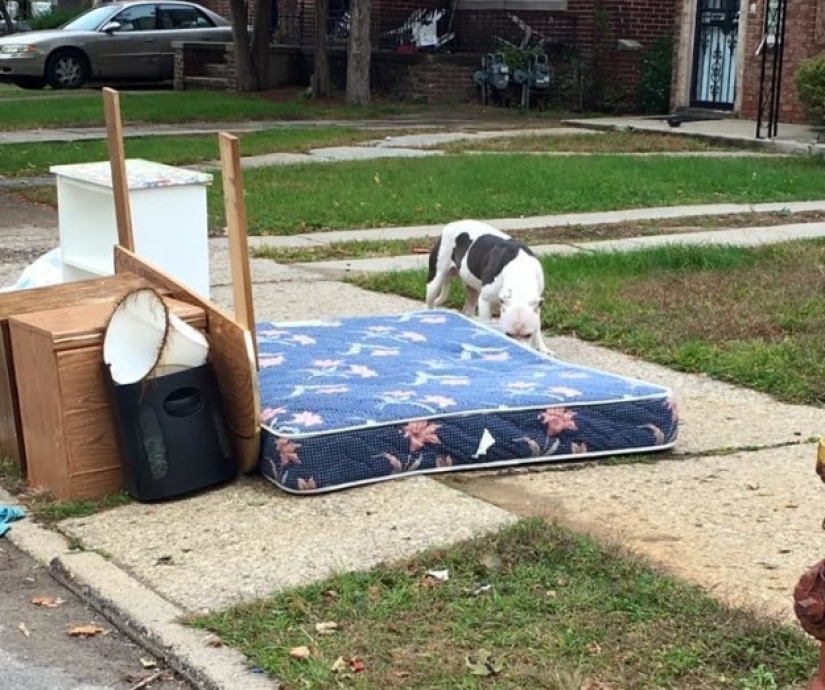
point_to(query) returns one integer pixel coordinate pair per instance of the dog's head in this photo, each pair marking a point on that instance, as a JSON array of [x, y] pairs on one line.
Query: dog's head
[[520, 318]]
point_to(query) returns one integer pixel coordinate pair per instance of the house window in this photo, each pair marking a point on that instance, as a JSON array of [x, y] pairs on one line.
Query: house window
[[524, 5]]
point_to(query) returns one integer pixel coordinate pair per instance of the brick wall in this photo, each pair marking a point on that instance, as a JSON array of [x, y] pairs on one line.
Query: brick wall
[[803, 39], [594, 27]]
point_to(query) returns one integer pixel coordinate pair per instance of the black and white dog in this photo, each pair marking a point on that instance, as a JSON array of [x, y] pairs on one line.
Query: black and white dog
[[496, 270]]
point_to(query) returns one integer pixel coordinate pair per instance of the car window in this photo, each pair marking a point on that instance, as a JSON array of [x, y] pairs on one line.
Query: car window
[[138, 18], [183, 17]]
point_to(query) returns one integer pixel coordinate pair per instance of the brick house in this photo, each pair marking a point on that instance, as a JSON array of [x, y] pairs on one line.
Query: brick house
[[717, 66], [612, 33]]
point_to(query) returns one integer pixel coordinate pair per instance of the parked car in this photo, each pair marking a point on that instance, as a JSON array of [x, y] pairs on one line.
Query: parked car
[[118, 41]]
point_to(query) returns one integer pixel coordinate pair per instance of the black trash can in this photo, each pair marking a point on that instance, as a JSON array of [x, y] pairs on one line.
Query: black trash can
[[172, 434]]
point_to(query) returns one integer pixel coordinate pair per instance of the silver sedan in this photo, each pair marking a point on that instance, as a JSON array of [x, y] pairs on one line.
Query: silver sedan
[[118, 41]]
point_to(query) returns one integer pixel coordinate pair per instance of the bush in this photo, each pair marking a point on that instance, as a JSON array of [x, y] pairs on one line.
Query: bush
[[810, 84], [55, 18], [657, 71]]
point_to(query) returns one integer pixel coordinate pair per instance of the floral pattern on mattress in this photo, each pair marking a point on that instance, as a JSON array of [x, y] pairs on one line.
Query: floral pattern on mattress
[[364, 399]]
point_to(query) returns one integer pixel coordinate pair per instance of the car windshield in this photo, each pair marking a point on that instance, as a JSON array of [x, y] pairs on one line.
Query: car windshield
[[91, 20]]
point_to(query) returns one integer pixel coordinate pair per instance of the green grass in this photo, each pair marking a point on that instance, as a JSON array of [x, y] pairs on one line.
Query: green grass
[[174, 107], [753, 317], [561, 613], [305, 198], [19, 160], [45, 509]]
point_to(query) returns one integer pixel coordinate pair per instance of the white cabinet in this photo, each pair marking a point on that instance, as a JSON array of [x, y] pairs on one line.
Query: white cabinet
[[169, 219]]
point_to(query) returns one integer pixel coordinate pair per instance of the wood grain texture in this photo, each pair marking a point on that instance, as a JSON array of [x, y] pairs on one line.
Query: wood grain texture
[[117, 160], [233, 196], [12, 443], [232, 356], [44, 437], [819, 28], [70, 433]]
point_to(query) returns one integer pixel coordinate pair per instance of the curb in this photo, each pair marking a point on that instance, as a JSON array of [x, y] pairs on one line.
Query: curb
[[139, 613]]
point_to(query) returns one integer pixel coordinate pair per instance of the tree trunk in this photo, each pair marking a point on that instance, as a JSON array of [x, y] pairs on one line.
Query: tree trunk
[[244, 69], [260, 42], [4, 11], [321, 86], [359, 53]]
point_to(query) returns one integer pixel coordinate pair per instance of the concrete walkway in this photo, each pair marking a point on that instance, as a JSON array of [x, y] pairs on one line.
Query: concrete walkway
[[790, 139], [710, 510]]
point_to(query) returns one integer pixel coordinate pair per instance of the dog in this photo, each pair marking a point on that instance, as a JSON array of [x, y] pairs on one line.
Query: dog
[[496, 270]]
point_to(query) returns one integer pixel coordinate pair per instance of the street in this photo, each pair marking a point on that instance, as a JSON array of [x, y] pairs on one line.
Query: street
[[37, 651]]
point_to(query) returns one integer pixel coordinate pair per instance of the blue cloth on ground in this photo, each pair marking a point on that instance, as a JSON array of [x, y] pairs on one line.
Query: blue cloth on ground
[[9, 514]]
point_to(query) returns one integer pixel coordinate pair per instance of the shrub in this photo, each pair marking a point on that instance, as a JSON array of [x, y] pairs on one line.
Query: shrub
[[810, 84], [54, 18], [657, 71]]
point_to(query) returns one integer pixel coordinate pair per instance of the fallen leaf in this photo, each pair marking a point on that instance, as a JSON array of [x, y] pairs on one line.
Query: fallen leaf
[[300, 653], [47, 601], [491, 561], [374, 592], [402, 674], [356, 665], [330, 594], [23, 629], [594, 648], [442, 575], [483, 664], [420, 250], [339, 665], [213, 641], [86, 630], [430, 581], [326, 627]]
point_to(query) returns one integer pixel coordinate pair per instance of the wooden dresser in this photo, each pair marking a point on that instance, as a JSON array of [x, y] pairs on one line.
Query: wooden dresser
[[69, 432]]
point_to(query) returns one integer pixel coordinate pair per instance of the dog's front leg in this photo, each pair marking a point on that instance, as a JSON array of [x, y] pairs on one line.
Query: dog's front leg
[[485, 309], [539, 344]]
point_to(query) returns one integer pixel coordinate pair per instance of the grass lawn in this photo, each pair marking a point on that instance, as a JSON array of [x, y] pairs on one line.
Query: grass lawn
[[287, 200], [20, 160], [175, 107], [754, 317], [304, 198], [364, 249], [553, 610]]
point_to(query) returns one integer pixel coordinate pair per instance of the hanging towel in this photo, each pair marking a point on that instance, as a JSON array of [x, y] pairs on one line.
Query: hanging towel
[[9, 514]]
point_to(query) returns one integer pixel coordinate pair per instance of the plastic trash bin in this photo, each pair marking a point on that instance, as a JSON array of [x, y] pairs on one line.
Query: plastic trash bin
[[172, 434]]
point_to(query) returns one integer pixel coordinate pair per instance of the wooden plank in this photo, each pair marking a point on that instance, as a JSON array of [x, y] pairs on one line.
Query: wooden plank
[[236, 229], [117, 159], [232, 356], [12, 442]]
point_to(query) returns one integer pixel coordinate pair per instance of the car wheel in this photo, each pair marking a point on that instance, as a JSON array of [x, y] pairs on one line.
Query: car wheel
[[33, 83], [67, 69]]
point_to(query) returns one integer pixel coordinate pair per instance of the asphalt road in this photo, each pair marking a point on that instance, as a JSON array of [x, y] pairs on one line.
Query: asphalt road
[[38, 653]]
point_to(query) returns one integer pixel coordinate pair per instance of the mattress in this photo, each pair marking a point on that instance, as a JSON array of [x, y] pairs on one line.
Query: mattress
[[360, 400]]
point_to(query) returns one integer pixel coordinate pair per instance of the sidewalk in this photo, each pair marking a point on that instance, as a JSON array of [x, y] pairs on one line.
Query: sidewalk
[[710, 510]]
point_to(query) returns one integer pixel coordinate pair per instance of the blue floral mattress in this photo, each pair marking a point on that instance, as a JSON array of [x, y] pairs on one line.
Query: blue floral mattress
[[365, 399]]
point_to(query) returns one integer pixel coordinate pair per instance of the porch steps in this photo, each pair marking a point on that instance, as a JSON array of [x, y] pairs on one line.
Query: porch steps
[[206, 83]]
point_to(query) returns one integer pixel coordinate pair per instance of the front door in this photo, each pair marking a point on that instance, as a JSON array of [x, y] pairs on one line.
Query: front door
[[714, 54]]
